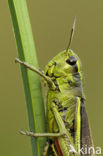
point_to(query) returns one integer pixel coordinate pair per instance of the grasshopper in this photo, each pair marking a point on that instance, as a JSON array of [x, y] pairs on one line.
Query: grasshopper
[[68, 127]]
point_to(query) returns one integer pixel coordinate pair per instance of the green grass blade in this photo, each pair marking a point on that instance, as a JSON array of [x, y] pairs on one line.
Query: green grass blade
[[31, 81]]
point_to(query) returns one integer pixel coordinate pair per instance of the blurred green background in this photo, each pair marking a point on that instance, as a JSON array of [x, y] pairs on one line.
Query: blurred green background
[[51, 24]]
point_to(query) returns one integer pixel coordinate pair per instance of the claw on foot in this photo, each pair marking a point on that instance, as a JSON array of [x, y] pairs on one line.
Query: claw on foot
[[23, 133]]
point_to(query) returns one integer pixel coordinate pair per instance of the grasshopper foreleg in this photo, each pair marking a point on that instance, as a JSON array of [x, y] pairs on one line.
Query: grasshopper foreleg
[[41, 73]]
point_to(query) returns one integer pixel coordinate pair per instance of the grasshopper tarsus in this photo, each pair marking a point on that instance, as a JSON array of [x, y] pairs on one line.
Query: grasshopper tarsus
[[22, 132], [26, 133], [17, 60]]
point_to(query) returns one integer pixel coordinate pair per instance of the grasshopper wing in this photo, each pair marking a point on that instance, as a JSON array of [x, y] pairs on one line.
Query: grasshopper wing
[[86, 138]]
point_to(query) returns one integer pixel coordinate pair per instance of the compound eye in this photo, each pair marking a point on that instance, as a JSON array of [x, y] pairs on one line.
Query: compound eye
[[71, 60]]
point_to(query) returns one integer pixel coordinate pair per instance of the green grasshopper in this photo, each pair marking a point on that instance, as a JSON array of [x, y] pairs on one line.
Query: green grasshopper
[[68, 127]]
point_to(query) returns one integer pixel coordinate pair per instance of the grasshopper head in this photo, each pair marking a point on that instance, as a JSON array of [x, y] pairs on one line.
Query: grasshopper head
[[65, 71], [64, 64]]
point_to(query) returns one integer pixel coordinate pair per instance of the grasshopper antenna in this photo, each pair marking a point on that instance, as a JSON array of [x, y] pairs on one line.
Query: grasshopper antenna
[[71, 34]]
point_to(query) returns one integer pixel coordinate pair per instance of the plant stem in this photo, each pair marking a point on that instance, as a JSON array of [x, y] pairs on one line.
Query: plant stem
[[31, 81]]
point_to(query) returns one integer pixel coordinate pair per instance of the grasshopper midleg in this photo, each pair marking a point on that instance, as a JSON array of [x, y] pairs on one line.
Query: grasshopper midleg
[[41, 134], [46, 148]]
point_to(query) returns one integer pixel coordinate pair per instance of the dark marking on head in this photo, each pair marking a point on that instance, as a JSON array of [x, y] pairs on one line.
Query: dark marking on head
[[76, 68], [71, 60]]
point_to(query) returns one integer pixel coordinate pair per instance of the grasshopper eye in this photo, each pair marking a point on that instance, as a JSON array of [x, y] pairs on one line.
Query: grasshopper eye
[[71, 60]]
